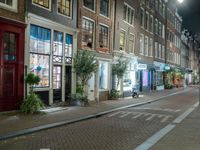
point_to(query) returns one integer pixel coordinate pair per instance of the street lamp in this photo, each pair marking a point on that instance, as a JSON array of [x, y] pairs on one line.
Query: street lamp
[[180, 1]]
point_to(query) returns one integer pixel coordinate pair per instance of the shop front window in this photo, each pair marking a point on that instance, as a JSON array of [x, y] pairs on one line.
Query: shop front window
[[40, 53], [58, 47], [68, 48], [103, 75], [145, 78], [159, 78]]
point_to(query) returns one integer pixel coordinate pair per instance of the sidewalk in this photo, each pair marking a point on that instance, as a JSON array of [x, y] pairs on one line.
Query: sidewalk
[[185, 136], [14, 124]]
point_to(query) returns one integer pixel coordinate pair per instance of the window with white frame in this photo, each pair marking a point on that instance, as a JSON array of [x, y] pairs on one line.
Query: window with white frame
[[64, 7], [129, 14], [156, 26], [156, 50], [163, 31], [68, 47], [150, 47], [89, 4], [146, 24], [163, 52], [131, 43], [160, 29], [104, 7], [160, 51], [142, 17], [57, 46], [40, 41], [122, 40], [163, 10], [9, 4], [43, 3], [87, 33], [103, 37], [141, 44], [146, 46], [151, 24]]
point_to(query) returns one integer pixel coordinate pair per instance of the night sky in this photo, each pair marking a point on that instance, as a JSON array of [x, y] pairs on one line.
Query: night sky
[[190, 11]]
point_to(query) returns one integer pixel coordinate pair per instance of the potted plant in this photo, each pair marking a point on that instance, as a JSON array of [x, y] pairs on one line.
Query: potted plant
[[114, 94], [32, 104]]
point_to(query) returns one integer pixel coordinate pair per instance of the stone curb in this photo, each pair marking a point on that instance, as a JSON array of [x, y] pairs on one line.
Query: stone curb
[[61, 123]]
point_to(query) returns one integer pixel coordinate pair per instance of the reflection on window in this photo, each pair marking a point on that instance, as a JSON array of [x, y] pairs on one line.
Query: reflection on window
[[122, 40], [104, 7], [44, 3], [58, 47], [87, 33], [40, 53], [39, 40], [56, 77], [9, 45], [89, 4], [103, 38], [64, 7], [103, 75], [131, 43], [39, 65], [68, 45]]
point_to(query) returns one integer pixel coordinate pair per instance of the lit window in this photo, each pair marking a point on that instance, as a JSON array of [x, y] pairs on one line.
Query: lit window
[[89, 4], [58, 47], [131, 43], [103, 38], [104, 7], [40, 53], [87, 33], [146, 46], [64, 7], [141, 44], [122, 40], [43, 3], [103, 75]]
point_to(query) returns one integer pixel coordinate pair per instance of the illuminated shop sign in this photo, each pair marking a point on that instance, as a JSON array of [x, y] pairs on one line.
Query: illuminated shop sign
[[141, 66]]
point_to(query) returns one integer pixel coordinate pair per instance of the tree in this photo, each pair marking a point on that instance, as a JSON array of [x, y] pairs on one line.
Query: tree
[[84, 65], [119, 68]]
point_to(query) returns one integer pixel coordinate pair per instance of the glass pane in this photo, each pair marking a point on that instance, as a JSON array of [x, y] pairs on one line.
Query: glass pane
[[56, 77], [103, 75], [9, 44], [89, 4], [68, 45], [39, 64], [87, 34], [9, 2], [40, 40], [58, 43]]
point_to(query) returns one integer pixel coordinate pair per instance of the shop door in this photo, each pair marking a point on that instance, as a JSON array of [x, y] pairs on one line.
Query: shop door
[[68, 79], [57, 83], [91, 96], [8, 70]]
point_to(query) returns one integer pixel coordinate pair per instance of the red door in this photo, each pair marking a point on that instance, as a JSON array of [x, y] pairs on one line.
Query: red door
[[8, 70]]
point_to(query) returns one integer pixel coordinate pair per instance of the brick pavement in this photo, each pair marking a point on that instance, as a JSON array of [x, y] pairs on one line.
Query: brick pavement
[[21, 122], [185, 136]]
